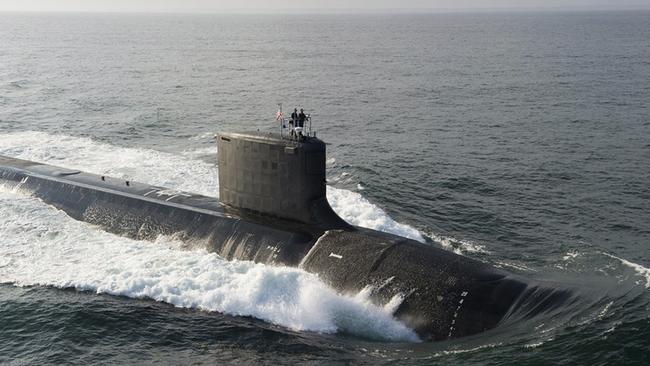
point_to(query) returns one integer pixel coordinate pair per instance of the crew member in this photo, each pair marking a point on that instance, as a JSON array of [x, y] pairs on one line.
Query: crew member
[[301, 118], [293, 121], [294, 116]]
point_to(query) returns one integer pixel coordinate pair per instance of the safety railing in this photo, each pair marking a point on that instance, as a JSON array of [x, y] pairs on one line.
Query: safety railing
[[294, 129]]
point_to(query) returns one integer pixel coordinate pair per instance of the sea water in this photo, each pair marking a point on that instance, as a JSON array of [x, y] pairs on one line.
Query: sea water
[[518, 139]]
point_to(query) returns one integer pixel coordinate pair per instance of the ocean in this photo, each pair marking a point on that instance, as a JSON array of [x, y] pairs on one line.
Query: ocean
[[521, 140]]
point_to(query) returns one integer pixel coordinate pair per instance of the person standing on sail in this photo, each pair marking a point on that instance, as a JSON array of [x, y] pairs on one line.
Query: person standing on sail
[[301, 118], [294, 117], [293, 121]]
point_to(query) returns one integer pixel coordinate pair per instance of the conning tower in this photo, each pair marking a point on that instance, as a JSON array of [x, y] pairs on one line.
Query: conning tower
[[280, 177]]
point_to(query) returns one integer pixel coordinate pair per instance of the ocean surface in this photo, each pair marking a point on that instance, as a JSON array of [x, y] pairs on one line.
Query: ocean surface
[[518, 139]]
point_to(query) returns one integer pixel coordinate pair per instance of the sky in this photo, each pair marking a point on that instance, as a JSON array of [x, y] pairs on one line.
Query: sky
[[263, 6]]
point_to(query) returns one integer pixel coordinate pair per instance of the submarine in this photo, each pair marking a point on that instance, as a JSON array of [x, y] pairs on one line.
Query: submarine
[[272, 208]]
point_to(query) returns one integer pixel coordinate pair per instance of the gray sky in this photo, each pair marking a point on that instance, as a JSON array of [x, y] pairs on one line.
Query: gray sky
[[309, 5]]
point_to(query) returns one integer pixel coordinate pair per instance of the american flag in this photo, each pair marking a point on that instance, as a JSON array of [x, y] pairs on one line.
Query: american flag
[[279, 116]]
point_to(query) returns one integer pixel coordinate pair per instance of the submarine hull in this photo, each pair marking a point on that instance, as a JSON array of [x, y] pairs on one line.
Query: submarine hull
[[442, 295]]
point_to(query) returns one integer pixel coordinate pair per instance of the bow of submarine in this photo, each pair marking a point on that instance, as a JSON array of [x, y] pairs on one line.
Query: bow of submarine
[[441, 295]]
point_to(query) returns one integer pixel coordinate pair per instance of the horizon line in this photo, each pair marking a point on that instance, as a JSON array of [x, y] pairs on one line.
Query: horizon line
[[335, 11]]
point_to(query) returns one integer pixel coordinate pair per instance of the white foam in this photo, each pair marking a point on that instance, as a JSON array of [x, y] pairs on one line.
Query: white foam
[[469, 350], [639, 269], [201, 152], [42, 246], [182, 172], [516, 266], [458, 246], [570, 255], [605, 310], [205, 136], [357, 210], [143, 165], [533, 345]]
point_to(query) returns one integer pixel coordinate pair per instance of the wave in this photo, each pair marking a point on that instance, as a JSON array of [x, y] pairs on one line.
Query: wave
[[356, 209], [458, 246], [43, 246], [143, 165], [639, 269]]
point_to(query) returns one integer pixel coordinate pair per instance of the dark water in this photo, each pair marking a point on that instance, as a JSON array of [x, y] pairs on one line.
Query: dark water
[[522, 140]]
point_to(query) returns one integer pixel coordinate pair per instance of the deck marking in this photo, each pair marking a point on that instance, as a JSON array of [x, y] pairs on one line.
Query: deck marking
[[460, 305]]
